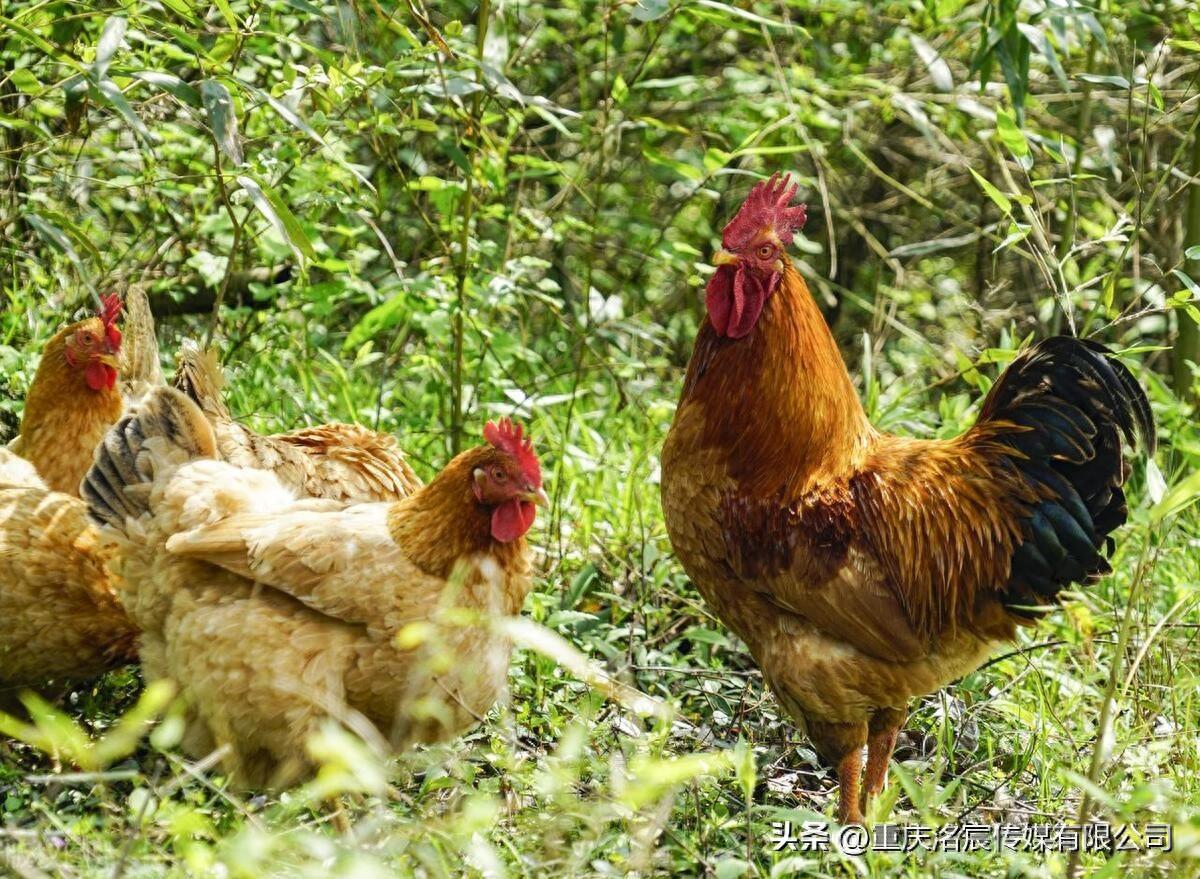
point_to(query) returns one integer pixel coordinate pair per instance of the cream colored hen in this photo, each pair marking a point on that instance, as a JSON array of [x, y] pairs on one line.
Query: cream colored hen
[[273, 613], [336, 461]]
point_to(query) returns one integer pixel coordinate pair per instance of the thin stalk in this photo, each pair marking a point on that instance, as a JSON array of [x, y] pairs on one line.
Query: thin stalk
[[1067, 238], [1187, 344], [223, 290], [457, 323], [1101, 747]]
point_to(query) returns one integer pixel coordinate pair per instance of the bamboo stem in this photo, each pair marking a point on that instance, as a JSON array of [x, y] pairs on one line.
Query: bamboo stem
[[1187, 343]]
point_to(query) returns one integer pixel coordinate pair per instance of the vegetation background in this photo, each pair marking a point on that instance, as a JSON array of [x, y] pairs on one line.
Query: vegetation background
[[419, 216]]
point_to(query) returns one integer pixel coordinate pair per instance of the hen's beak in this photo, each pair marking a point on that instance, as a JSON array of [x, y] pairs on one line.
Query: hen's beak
[[724, 258], [108, 360], [537, 496]]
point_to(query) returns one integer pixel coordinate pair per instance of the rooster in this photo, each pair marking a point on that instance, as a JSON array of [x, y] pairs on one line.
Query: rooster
[[273, 613], [336, 461], [865, 570], [80, 389]]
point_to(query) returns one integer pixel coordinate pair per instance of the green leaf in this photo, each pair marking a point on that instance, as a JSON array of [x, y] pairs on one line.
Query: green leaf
[[222, 119], [58, 239], [182, 8], [109, 91], [1011, 134], [1193, 252], [1180, 497], [456, 155], [650, 10], [738, 12], [939, 70], [24, 80], [384, 316], [42, 46], [271, 206], [291, 117], [110, 41], [56, 734], [620, 90], [1041, 42], [66, 224], [171, 84], [1115, 81], [998, 198], [1187, 282], [683, 169], [227, 13]]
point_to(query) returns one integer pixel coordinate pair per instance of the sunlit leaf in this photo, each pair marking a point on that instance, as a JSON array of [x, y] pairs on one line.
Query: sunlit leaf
[[109, 91], [222, 119], [650, 10], [1012, 136], [171, 84], [110, 41], [271, 206], [998, 198], [25, 81], [939, 70]]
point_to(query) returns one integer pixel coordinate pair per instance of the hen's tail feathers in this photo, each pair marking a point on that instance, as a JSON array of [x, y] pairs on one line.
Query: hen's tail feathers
[[198, 374], [163, 432], [1074, 402], [140, 368]]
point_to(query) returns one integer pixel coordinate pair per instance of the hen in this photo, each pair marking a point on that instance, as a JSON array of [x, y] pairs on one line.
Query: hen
[[273, 613], [60, 621], [865, 570], [76, 396], [59, 616], [336, 461]]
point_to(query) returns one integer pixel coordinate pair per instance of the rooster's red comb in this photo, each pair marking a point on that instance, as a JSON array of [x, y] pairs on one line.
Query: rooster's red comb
[[768, 204], [108, 312], [507, 437]]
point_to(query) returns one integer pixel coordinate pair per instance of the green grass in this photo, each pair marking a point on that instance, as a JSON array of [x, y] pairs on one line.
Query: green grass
[[565, 781], [977, 173]]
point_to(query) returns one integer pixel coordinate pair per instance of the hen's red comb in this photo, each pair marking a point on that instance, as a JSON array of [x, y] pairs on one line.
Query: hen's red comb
[[768, 204], [108, 312], [506, 436]]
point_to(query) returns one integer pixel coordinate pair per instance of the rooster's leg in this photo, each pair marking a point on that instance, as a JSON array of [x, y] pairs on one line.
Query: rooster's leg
[[881, 740], [849, 772], [841, 744]]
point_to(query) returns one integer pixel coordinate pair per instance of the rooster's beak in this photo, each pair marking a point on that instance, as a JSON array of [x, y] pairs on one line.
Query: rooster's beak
[[724, 258], [537, 496]]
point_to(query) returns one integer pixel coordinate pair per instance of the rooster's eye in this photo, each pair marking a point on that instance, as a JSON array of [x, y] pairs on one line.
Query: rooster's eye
[[766, 251], [499, 475]]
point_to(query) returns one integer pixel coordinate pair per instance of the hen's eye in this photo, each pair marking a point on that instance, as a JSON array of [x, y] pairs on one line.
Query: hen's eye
[[86, 340], [499, 475], [766, 251]]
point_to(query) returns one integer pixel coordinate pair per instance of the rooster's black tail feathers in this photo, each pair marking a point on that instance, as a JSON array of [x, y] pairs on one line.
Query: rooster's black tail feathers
[[1075, 402]]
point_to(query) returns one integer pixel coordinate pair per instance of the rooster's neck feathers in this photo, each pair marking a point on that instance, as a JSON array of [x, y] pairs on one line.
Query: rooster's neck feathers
[[779, 401], [442, 522]]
